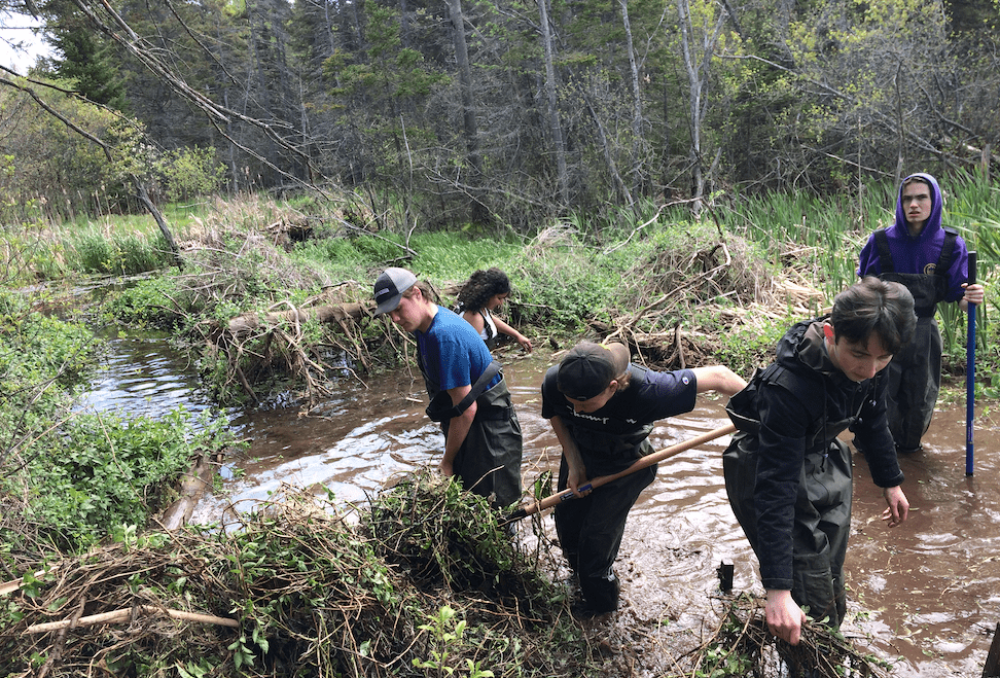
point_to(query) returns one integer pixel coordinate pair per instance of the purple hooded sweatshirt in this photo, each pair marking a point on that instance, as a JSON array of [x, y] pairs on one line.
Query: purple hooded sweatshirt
[[917, 255]]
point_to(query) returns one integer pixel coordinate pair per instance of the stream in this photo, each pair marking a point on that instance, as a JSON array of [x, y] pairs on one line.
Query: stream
[[928, 591]]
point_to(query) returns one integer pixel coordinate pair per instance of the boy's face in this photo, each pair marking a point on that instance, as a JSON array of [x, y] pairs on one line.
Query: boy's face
[[857, 360], [597, 402], [410, 314], [916, 199]]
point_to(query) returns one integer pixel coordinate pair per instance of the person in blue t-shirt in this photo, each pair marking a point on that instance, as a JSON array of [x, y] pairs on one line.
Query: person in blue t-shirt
[[602, 408], [468, 394], [933, 263]]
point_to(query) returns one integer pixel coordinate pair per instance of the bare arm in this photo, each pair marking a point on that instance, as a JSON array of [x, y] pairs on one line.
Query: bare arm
[[577, 470], [719, 378], [518, 337], [458, 429]]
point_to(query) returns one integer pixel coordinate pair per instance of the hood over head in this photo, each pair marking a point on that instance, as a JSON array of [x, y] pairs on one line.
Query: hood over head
[[934, 220]]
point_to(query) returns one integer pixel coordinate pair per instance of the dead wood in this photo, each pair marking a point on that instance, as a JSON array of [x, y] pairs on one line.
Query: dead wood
[[244, 325], [192, 486], [119, 616]]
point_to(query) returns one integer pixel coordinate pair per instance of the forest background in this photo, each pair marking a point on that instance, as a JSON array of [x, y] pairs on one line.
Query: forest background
[[687, 176]]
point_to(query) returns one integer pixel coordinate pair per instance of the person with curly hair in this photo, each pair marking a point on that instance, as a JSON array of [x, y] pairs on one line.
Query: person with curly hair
[[483, 293]]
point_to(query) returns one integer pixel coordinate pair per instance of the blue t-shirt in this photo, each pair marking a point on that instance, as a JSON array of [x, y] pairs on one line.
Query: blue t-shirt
[[650, 397], [453, 354]]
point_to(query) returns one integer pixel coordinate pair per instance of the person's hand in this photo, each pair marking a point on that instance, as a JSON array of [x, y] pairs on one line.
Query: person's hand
[[574, 479], [974, 294], [898, 509], [524, 343], [446, 468], [784, 617]]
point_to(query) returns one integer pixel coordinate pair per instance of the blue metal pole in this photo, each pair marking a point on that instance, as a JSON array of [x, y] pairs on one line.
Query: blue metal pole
[[970, 373]]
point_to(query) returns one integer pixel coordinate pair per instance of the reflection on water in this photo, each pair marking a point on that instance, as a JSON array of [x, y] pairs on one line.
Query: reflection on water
[[142, 374], [928, 591]]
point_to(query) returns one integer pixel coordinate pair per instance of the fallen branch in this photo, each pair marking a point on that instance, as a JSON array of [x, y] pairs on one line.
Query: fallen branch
[[119, 616]]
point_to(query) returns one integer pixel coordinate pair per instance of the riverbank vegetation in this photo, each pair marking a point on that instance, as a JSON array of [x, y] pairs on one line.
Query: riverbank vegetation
[[275, 296]]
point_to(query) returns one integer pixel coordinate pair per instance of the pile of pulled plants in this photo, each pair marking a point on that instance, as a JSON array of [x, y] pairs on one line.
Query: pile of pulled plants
[[426, 583]]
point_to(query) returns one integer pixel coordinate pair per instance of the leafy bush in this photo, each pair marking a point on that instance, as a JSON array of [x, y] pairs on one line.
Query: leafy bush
[[101, 472], [153, 302], [191, 172]]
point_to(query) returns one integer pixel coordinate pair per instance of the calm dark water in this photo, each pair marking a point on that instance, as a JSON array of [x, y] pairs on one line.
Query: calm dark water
[[927, 592]]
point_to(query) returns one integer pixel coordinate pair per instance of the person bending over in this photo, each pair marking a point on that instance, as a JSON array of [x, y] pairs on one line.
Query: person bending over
[[602, 409], [788, 476], [468, 394], [485, 292]]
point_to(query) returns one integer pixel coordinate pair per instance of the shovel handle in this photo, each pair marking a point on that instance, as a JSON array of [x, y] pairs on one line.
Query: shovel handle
[[642, 463]]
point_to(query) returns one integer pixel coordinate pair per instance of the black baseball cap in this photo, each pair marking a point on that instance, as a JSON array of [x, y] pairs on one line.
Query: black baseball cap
[[588, 368]]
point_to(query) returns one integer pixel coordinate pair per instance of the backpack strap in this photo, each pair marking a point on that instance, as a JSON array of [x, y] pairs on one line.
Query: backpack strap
[[884, 257], [489, 328], [441, 409], [947, 252]]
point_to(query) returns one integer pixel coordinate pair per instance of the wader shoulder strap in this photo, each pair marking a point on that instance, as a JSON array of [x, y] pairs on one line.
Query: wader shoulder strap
[[487, 325], [947, 252], [441, 408], [884, 258]]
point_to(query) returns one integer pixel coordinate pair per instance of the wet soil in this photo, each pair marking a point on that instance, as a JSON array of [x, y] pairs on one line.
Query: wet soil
[[926, 592]]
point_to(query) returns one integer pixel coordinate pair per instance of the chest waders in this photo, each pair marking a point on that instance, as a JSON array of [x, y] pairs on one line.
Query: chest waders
[[915, 372], [489, 460], [822, 522], [590, 528]]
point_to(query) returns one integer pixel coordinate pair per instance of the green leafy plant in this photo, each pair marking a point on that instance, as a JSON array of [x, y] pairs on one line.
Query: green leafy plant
[[447, 636]]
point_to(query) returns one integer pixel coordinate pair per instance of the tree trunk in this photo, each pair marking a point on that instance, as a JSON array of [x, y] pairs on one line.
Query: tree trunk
[[468, 106], [697, 73], [160, 221], [465, 78], [550, 91], [637, 139]]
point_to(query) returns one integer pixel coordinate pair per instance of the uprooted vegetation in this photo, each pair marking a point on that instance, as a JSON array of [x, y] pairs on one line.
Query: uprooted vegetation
[[424, 582]]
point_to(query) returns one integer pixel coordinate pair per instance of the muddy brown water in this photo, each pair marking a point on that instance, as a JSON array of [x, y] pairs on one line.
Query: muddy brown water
[[926, 592]]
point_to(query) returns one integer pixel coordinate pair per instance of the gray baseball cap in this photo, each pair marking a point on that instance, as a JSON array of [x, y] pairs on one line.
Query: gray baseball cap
[[389, 288]]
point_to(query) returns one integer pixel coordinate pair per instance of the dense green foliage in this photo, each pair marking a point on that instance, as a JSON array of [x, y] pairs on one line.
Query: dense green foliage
[[69, 479], [314, 592]]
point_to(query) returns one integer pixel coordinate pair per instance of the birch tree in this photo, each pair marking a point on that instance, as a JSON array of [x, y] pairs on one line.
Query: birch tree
[[699, 36], [555, 126]]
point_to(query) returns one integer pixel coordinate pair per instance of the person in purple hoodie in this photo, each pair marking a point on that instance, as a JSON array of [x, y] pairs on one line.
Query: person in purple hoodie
[[933, 263]]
